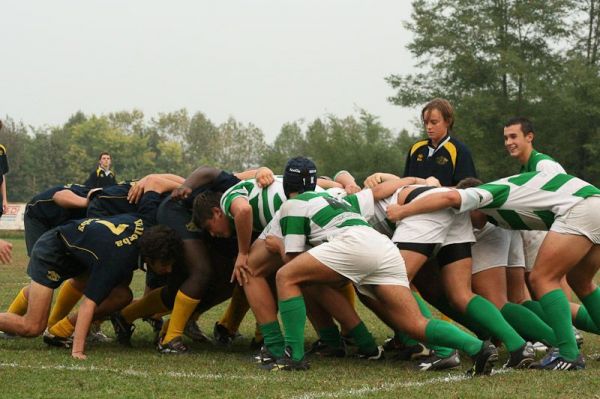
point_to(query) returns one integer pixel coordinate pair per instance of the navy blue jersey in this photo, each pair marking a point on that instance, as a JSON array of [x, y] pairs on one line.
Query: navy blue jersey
[[108, 247], [100, 178], [112, 200], [43, 208], [449, 163], [3, 163]]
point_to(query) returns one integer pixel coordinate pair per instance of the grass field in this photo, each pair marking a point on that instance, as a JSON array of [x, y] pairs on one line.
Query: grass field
[[30, 369]]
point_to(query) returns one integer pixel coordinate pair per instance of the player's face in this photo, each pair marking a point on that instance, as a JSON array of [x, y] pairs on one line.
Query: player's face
[[435, 125], [105, 161], [516, 142], [218, 225], [160, 266]]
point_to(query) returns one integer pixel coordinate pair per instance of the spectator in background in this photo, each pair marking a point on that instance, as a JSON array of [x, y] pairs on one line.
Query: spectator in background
[[102, 176], [3, 171]]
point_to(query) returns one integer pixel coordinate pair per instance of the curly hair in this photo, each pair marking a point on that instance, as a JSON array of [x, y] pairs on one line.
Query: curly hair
[[162, 243], [203, 206]]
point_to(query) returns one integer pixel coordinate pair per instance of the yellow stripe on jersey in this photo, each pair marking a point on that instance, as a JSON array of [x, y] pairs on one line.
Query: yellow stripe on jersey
[[76, 247], [2, 149], [418, 145], [451, 148]]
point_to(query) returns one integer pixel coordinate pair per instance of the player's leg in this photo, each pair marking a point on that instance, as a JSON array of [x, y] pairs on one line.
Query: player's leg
[[69, 293], [559, 253], [35, 319]]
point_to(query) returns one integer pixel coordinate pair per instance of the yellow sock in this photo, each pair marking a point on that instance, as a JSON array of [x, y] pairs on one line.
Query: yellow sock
[[62, 328], [66, 300], [182, 310], [147, 305], [235, 312], [19, 304], [349, 294]]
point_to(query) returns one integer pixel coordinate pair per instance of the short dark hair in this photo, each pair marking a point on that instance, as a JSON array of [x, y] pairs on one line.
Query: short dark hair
[[443, 106], [526, 125], [103, 153], [161, 242], [469, 182], [203, 206]]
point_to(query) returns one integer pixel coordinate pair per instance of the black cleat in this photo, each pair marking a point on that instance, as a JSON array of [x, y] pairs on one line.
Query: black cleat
[[484, 360], [377, 354], [264, 357], [413, 352], [435, 363], [256, 344], [173, 347], [193, 331], [320, 348], [393, 344], [123, 330], [553, 361], [222, 336], [55, 340], [156, 324], [286, 363], [521, 358]]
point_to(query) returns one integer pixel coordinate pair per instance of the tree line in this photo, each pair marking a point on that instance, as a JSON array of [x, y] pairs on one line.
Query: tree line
[[493, 59]]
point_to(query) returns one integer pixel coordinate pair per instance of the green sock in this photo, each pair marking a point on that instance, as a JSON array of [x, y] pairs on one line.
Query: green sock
[[441, 351], [528, 324], [273, 337], [405, 338], [485, 313], [293, 316], [442, 333], [331, 336], [363, 338], [443, 305], [557, 309], [592, 306], [584, 322], [536, 308]]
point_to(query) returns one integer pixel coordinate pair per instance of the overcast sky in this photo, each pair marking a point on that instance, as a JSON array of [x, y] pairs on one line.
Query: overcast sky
[[262, 61]]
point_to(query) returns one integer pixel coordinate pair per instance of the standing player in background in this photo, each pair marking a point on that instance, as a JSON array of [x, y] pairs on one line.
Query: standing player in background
[[102, 176], [3, 171]]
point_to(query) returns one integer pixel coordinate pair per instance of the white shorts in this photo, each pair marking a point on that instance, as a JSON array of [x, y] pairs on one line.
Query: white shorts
[[496, 247], [365, 257], [532, 240], [443, 227], [582, 219]]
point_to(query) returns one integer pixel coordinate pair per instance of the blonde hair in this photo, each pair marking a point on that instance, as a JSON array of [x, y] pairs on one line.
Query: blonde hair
[[444, 107]]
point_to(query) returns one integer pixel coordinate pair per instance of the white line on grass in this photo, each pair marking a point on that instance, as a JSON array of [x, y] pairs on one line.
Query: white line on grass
[[387, 387], [137, 373]]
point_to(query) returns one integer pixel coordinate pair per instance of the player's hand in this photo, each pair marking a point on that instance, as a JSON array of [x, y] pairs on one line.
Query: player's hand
[[395, 212], [5, 251], [352, 188], [264, 177], [79, 355], [137, 190], [4, 207], [432, 181], [241, 271], [373, 180], [181, 192]]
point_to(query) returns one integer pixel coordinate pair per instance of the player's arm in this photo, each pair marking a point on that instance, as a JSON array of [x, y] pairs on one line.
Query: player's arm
[[431, 203], [241, 211], [379, 177], [82, 327], [326, 183], [156, 183], [5, 251], [264, 176], [347, 181], [385, 188], [201, 176], [170, 176], [68, 199]]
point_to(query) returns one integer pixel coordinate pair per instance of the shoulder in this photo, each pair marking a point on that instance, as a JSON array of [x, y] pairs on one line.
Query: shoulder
[[458, 144], [417, 145]]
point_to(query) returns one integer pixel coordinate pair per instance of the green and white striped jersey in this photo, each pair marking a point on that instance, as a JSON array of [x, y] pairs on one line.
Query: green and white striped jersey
[[264, 201], [315, 218], [539, 162], [528, 201], [374, 211]]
